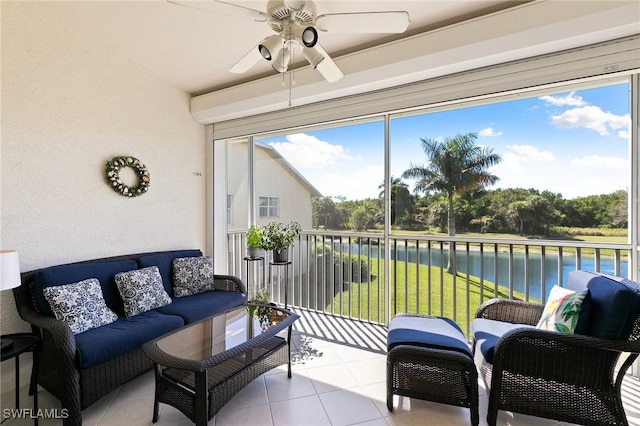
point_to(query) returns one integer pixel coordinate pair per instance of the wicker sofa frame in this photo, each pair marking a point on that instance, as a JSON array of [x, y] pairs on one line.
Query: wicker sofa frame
[[58, 371], [567, 377]]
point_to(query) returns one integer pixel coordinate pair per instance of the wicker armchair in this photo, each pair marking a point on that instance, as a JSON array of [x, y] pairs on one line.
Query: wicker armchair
[[568, 377]]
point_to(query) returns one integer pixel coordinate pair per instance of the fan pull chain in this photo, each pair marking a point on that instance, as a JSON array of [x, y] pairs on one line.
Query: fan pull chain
[[290, 88], [292, 77]]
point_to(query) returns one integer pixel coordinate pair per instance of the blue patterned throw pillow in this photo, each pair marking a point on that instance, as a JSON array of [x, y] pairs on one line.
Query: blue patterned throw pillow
[[192, 275], [80, 305], [141, 290]]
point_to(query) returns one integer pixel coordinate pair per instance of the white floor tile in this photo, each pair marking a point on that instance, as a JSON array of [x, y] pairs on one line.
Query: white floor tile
[[368, 371], [281, 388], [305, 411], [344, 408], [331, 378], [332, 384], [244, 416], [252, 395]]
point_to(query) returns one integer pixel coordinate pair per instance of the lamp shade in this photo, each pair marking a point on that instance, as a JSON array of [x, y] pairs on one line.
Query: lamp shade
[[9, 269]]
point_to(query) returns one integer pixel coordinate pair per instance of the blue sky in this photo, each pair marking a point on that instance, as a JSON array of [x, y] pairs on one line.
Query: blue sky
[[574, 143]]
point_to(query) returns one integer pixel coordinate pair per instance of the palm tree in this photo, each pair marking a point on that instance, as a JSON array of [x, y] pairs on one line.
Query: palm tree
[[456, 165], [400, 198]]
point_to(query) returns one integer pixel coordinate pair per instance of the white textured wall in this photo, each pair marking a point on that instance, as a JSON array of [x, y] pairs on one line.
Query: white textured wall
[[69, 104]]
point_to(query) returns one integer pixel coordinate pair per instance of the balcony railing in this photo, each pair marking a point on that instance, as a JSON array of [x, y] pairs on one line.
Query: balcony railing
[[352, 275]]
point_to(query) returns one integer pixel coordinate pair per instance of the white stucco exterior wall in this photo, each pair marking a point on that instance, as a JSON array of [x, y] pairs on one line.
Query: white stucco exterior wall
[[274, 178], [69, 104]]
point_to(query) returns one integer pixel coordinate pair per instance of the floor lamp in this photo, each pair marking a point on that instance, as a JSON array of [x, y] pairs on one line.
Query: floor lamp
[[9, 278]]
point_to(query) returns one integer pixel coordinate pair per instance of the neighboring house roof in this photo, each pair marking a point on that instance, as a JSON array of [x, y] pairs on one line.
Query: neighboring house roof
[[289, 168]]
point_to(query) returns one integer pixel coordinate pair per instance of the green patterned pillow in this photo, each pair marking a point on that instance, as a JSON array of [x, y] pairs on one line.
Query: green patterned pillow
[[562, 310]]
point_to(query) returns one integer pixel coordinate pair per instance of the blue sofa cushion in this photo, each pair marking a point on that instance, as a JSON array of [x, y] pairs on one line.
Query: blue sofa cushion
[[122, 336], [487, 332], [429, 332], [164, 262], [104, 272], [198, 306], [615, 303]]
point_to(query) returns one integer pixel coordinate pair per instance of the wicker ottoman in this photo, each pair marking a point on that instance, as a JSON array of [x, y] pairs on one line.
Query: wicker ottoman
[[429, 358]]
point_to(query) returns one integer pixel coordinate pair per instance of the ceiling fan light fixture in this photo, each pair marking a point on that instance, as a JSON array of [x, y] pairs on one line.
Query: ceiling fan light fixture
[[270, 47], [309, 37], [280, 62], [313, 56]]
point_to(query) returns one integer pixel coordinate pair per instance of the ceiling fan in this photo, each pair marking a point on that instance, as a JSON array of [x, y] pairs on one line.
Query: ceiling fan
[[297, 25]]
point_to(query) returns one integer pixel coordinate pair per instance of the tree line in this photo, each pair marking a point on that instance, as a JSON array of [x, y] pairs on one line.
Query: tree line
[[511, 210], [451, 194]]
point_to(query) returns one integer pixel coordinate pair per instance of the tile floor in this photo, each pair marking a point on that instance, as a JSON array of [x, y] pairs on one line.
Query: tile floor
[[338, 379]]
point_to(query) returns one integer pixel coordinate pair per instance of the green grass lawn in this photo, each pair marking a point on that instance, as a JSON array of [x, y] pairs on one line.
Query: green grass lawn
[[436, 295]]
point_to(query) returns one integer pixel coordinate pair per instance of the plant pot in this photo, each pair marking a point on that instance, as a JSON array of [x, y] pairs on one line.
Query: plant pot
[[281, 256], [254, 252]]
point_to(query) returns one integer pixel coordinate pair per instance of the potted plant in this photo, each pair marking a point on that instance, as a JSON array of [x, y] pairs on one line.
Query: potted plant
[[279, 237], [258, 305], [255, 241]]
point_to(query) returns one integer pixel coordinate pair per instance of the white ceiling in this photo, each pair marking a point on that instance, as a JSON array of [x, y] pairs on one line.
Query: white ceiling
[[194, 49]]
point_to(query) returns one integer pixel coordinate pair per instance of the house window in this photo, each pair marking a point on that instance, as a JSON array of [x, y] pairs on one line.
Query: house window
[[229, 209], [269, 207]]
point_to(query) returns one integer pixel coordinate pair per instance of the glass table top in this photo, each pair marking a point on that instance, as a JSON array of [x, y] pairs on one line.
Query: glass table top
[[214, 335]]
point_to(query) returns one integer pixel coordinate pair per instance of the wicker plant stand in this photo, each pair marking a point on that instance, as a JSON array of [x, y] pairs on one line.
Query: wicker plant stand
[[198, 376], [429, 358]]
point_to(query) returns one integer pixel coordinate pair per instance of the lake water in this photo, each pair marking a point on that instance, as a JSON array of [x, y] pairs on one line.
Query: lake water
[[438, 258]]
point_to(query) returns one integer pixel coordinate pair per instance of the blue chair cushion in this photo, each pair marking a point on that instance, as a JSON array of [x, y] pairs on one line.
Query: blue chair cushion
[[71, 273], [122, 336], [614, 306], [198, 306], [164, 262], [429, 332], [487, 332]]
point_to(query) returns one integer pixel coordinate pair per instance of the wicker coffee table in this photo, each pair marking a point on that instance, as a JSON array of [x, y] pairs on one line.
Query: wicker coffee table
[[201, 366]]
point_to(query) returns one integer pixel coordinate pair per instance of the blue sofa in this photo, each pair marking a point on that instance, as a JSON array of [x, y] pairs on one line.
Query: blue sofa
[[80, 368]]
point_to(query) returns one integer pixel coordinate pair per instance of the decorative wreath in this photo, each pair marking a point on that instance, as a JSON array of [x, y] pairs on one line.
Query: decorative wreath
[[113, 176]]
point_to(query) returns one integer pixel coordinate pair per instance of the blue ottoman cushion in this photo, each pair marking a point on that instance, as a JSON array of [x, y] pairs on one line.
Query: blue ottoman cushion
[[430, 332]]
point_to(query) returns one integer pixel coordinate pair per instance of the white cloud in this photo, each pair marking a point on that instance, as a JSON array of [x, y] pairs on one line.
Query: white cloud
[[304, 150], [524, 166], [591, 117], [528, 153], [570, 100], [489, 132], [604, 163], [353, 183]]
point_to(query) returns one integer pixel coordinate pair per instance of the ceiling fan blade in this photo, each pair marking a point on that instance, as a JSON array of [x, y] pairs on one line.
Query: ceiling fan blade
[[327, 67], [365, 22], [247, 61], [222, 7]]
